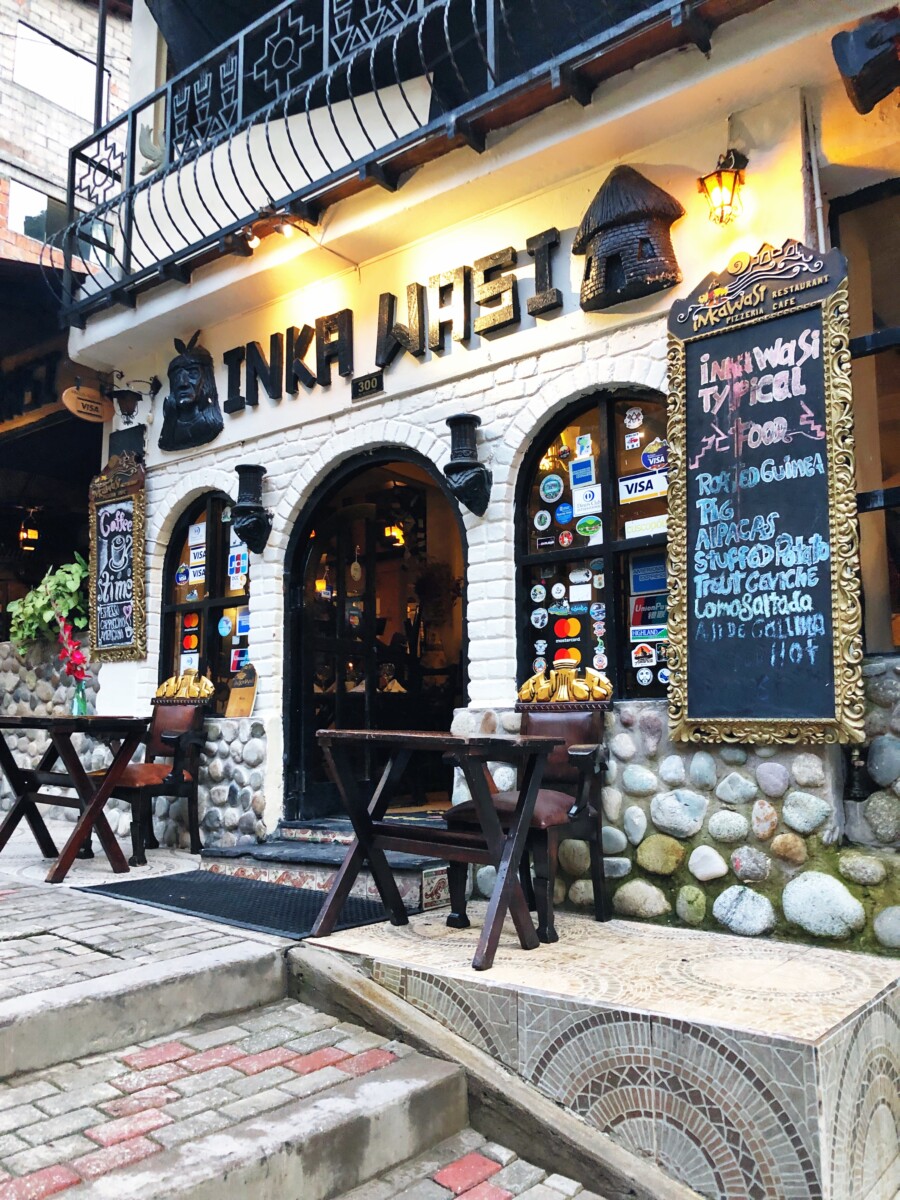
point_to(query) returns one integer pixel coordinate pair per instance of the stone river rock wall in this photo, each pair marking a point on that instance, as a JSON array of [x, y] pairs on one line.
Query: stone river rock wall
[[753, 840], [232, 764]]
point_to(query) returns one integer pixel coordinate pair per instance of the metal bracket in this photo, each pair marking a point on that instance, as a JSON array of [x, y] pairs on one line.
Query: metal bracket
[[697, 28], [573, 84]]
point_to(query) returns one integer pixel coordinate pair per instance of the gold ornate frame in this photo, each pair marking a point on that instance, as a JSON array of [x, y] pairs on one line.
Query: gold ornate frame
[[847, 723], [122, 479]]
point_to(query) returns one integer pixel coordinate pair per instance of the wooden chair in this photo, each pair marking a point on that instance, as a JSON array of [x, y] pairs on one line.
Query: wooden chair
[[176, 735], [568, 806]]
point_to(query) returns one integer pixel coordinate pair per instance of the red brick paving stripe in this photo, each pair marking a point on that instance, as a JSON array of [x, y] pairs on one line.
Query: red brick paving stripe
[[155, 1056], [252, 1064], [99, 1162], [126, 1128], [305, 1064], [219, 1056], [487, 1191], [136, 1081], [369, 1060], [39, 1184], [466, 1172], [154, 1097]]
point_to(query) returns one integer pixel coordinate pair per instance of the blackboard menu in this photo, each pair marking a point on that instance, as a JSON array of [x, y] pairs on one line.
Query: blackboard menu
[[117, 618], [764, 614]]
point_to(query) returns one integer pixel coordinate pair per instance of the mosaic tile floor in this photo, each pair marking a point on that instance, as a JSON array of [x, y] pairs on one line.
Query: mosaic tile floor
[[750, 1070]]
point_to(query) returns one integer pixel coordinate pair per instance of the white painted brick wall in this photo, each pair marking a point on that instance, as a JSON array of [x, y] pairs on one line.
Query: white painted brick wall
[[300, 458]]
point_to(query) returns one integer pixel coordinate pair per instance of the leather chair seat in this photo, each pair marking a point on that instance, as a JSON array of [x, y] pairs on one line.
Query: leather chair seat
[[552, 808], [141, 775]]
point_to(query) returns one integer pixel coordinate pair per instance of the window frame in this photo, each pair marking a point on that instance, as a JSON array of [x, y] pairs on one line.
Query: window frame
[[868, 344], [613, 550], [210, 506]]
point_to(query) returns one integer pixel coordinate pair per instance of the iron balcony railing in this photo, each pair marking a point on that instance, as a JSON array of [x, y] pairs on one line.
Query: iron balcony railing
[[319, 99]]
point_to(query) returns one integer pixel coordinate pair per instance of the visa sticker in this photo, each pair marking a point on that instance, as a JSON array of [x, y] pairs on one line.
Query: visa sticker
[[633, 488], [656, 454]]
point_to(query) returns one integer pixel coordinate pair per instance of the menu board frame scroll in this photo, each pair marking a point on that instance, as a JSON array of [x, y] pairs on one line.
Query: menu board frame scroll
[[761, 294], [119, 489]]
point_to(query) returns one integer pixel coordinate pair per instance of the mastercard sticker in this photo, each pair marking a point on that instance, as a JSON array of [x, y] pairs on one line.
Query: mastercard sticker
[[567, 627], [191, 620], [571, 652], [190, 641]]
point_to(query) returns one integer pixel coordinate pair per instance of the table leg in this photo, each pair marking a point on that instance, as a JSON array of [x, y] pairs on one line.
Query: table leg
[[362, 849], [354, 858], [93, 799], [507, 894], [23, 805]]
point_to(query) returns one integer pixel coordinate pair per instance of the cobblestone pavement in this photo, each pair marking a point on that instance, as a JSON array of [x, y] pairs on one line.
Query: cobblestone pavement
[[50, 938], [75, 1122], [21, 859], [469, 1166]]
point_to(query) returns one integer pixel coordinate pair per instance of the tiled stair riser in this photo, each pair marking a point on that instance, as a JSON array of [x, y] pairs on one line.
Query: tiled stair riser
[[731, 1113], [425, 889]]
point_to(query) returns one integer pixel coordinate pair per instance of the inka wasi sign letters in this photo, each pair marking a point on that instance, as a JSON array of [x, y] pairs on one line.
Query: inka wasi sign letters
[[305, 356], [764, 614]]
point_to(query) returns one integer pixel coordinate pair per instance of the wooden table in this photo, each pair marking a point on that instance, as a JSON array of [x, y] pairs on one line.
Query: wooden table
[[490, 845], [91, 791]]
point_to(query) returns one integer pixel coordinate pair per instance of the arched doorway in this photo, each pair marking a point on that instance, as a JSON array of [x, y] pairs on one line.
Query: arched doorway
[[375, 632]]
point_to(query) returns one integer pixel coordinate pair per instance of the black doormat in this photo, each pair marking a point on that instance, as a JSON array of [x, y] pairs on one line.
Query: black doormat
[[247, 903]]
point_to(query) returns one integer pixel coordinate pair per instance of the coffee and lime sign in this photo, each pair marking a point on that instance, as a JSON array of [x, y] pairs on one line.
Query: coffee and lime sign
[[117, 623], [764, 615]]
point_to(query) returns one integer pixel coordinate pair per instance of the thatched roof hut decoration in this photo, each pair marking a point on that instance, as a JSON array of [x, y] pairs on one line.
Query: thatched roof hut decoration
[[626, 241]]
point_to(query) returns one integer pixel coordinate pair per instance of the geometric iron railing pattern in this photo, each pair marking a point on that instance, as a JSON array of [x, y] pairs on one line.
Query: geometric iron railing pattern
[[319, 99]]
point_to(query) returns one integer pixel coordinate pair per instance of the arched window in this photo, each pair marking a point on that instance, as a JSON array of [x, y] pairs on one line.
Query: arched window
[[591, 545], [205, 611]]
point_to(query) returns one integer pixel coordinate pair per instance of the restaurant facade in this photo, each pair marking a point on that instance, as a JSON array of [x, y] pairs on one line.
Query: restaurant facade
[[420, 440]]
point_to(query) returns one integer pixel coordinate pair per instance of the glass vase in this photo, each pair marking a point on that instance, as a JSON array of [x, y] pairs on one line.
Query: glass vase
[[79, 700]]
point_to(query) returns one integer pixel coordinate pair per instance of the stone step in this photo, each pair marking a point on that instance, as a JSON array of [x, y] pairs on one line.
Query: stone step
[[309, 863], [468, 1165], [274, 1102], [80, 974]]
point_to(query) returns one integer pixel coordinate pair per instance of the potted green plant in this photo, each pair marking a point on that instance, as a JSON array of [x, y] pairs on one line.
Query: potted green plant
[[51, 612]]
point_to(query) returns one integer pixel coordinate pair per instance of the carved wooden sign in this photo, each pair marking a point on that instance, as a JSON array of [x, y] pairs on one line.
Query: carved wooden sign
[[764, 610], [117, 514]]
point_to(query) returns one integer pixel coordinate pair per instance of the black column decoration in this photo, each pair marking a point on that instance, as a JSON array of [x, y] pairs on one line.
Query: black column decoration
[[469, 480], [251, 522]]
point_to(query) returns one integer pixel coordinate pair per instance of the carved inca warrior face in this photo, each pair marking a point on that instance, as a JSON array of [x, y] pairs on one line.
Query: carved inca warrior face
[[191, 415]]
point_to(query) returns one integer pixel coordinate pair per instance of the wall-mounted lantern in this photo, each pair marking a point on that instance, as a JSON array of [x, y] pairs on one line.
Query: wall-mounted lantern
[[29, 535], [128, 398], [469, 480], [722, 187], [250, 521]]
